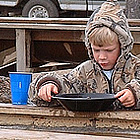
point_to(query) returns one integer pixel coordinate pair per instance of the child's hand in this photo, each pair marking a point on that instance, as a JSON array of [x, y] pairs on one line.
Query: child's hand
[[45, 91], [126, 97]]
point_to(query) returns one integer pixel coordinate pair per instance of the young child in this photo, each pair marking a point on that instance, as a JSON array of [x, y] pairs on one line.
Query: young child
[[111, 69]]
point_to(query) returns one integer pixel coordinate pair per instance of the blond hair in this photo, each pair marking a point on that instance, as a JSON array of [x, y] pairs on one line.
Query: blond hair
[[102, 36]]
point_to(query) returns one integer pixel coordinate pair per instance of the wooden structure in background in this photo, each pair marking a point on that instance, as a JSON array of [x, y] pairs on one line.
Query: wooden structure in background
[[133, 9], [38, 41]]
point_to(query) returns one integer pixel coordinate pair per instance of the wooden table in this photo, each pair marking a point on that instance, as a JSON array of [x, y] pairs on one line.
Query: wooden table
[[46, 135], [115, 123]]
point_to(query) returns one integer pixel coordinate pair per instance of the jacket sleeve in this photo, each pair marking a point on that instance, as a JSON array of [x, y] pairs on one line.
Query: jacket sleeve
[[134, 85], [72, 82]]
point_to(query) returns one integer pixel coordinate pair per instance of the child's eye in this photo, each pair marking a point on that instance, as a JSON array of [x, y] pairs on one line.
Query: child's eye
[[109, 50], [96, 50]]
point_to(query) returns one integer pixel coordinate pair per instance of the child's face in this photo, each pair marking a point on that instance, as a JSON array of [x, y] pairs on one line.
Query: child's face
[[106, 55]]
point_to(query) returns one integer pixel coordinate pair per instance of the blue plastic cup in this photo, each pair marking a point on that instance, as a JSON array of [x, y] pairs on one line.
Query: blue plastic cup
[[20, 83]]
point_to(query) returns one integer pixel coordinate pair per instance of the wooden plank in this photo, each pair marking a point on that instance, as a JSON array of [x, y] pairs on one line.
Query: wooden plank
[[7, 65], [136, 36], [28, 48], [132, 22], [5, 56], [21, 49], [9, 56], [76, 36], [44, 20], [115, 123], [135, 29], [49, 26], [41, 135], [61, 112], [136, 50], [42, 26], [57, 35], [7, 34], [54, 33]]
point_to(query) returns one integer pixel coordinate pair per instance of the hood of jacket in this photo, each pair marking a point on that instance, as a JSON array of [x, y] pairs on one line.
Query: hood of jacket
[[110, 14]]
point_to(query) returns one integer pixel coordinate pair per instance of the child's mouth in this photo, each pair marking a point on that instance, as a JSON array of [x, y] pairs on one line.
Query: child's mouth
[[103, 64]]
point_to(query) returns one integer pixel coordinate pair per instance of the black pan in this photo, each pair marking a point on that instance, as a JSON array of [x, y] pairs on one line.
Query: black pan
[[86, 101]]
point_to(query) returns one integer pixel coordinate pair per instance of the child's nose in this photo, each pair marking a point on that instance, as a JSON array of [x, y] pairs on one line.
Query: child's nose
[[102, 55]]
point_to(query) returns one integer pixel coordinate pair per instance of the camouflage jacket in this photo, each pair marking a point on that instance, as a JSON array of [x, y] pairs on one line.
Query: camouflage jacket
[[88, 77]]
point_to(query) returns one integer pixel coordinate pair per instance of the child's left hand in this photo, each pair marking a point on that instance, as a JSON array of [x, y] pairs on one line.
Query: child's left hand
[[126, 97]]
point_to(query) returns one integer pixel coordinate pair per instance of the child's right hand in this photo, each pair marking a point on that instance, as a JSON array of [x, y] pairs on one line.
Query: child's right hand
[[46, 90]]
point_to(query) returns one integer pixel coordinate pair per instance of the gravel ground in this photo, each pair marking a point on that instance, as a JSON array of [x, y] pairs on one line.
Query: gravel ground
[[5, 91]]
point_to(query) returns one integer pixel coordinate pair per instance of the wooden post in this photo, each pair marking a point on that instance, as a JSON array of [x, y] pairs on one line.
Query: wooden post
[[23, 49], [133, 9], [28, 49], [20, 49]]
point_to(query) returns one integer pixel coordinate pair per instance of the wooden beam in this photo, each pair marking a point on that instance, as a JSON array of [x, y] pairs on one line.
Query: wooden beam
[[21, 49], [7, 34], [28, 48], [136, 36], [76, 21], [42, 26], [7, 56], [115, 123], [57, 35], [76, 36], [44, 20]]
